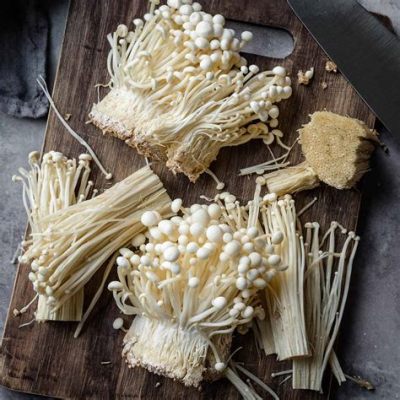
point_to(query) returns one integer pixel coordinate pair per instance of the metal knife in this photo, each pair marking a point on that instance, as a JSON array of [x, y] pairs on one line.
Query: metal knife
[[364, 50]]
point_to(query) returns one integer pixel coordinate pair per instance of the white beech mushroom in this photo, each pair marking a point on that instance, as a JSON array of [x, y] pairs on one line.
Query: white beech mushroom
[[191, 283], [336, 150], [70, 244], [180, 91]]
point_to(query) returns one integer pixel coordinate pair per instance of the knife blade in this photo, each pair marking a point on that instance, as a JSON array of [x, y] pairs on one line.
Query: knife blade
[[364, 50]]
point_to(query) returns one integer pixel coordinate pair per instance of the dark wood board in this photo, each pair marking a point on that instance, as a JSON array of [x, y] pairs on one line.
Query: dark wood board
[[44, 358]]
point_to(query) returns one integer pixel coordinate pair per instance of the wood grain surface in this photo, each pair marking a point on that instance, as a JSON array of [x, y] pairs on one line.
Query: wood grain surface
[[44, 358]]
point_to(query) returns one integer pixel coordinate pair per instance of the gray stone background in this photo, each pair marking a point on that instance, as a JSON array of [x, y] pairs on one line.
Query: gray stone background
[[370, 333]]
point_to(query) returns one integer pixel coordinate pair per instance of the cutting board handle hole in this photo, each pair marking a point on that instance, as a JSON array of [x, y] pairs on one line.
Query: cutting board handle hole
[[267, 41]]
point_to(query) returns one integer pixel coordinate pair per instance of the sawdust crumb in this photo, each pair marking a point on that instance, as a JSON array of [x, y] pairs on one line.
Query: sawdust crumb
[[67, 116], [324, 85], [330, 66], [304, 78]]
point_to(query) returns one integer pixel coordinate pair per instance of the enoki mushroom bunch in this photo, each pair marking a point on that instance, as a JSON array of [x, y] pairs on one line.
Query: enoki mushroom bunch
[[180, 91], [306, 304], [329, 262], [70, 242], [191, 281], [51, 185]]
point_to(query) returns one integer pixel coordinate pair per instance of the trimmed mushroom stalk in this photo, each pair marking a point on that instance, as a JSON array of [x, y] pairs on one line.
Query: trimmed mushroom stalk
[[329, 263], [73, 238], [337, 151], [180, 90], [305, 303], [283, 331], [191, 281]]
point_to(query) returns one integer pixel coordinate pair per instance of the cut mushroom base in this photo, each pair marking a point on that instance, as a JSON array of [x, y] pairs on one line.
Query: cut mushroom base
[[164, 348]]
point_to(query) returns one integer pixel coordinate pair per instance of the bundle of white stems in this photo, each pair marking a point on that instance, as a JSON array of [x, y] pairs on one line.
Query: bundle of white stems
[[191, 281], [305, 304], [73, 238], [180, 91], [49, 186], [284, 331], [195, 279], [329, 262]]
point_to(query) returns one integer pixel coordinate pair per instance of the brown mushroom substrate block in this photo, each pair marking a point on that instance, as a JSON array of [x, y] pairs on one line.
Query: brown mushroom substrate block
[[336, 150]]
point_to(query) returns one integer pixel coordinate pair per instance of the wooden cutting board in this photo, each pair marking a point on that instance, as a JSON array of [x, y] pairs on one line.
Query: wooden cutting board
[[44, 358]]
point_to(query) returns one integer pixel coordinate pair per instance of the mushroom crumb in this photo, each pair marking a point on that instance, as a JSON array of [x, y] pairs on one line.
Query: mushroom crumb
[[304, 78], [330, 66], [337, 151]]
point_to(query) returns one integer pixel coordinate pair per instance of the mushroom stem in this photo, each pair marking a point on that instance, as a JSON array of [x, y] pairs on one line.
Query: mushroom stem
[[71, 310], [285, 317], [327, 280], [292, 179]]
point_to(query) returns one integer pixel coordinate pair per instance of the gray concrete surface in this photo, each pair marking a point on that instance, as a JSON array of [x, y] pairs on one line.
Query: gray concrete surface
[[370, 340], [370, 332]]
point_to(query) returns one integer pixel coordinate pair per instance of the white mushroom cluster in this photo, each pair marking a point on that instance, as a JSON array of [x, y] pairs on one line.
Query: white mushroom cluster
[[193, 279], [51, 185], [72, 236], [180, 90]]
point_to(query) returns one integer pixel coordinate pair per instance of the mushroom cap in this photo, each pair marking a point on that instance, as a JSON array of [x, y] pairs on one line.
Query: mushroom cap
[[338, 148]]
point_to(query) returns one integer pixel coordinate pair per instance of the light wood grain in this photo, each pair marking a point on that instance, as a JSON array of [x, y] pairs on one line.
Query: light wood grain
[[45, 358]]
